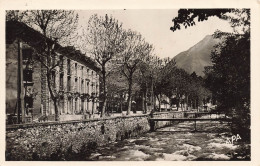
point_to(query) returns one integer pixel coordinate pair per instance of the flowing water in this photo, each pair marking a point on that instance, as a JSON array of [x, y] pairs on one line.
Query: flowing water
[[177, 142]]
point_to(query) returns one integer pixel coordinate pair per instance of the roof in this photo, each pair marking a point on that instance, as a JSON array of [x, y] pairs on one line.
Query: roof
[[16, 29]]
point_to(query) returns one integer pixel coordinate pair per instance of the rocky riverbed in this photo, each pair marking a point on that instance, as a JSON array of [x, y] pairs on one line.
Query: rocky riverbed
[[177, 143]]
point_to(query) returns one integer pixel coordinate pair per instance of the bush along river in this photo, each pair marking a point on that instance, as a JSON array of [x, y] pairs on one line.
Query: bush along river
[[212, 142]]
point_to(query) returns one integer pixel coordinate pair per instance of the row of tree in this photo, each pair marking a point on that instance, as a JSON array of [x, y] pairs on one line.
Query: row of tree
[[128, 66], [115, 49]]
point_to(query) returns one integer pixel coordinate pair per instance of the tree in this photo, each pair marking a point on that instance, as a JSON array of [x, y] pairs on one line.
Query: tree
[[136, 49], [229, 77], [179, 82], [163, 69], [16, 15], [105, 38], [117, 87], [143, 81], [197, 90], [56, 26], [186, 17]]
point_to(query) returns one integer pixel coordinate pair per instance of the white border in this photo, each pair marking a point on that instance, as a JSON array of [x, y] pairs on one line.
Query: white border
[[254, 5]]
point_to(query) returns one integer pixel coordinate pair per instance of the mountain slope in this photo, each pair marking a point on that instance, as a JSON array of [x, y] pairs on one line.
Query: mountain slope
[[198, 56]]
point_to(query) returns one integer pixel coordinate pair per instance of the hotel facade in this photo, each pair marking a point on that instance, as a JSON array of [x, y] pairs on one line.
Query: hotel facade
[[75, 79]]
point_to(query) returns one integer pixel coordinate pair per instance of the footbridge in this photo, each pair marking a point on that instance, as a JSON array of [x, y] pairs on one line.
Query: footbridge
[[193, 116]]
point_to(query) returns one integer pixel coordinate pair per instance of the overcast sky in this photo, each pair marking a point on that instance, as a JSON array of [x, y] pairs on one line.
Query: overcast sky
[[154, 25]]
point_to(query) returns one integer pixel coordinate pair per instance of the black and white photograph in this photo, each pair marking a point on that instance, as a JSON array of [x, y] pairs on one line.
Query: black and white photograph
[[128, 84]]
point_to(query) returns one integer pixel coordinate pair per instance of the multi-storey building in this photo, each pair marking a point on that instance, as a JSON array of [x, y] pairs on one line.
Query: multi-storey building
[[76, 79]]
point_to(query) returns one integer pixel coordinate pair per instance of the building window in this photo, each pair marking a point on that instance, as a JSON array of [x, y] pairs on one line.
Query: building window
[[93, 87], [76, 84], [68, 67], [27, 58], [76, 105], [69, 84], [27, 65], [88, 87], [27, 75], [69, 109], [76, 69], [82, 86], [28, 104], [61, 63], [61, 81], [27, 54], [82, 106], [82, 69], [97, 90]]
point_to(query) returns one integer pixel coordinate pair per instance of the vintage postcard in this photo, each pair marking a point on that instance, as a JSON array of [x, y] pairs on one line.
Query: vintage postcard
[[105, 82]]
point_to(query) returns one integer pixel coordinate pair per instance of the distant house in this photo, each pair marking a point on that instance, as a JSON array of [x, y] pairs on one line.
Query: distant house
[[164, 104], [76, 78]]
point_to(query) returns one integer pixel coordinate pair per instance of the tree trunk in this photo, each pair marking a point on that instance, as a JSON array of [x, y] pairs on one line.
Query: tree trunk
[[143, 107], [129, 105], [152, 96], [53, 97], [104, 107], [145, 100], [56, 109], [195, 103], [154, 102], [177, 102], [121, 106], [182, 105], [129, 94], [187, 102], [104, 91], [159, 101]]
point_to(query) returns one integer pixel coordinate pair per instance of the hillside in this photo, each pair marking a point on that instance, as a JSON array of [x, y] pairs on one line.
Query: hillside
[[198, 56]]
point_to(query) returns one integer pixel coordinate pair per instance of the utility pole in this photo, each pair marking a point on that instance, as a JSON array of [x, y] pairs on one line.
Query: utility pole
[[20, 90]]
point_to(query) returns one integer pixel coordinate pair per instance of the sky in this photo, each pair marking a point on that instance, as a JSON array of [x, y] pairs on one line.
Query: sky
[[154, 26]]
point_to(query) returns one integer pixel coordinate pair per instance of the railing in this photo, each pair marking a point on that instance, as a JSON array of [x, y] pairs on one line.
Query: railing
[[193, 116]]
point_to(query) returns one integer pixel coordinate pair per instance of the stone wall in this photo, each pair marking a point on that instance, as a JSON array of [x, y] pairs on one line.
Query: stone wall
[[42, 140]]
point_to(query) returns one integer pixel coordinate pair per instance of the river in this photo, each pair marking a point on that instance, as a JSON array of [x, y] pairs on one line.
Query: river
[[177, 143]]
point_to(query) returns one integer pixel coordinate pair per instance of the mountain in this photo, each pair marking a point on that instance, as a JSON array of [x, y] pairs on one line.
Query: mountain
[[198, 56]]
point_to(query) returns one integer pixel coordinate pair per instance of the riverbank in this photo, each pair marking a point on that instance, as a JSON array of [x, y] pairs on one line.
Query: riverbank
[[176, 143], [55, 140], [125, 138]]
